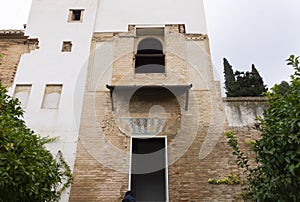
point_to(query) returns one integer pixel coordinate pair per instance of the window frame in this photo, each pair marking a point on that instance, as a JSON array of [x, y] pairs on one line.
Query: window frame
[[159, 57], [72, 15], [64, 47], [47, 88]]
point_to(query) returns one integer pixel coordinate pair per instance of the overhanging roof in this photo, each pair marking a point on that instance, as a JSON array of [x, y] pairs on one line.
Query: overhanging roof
[[175, 89], [171, 87]]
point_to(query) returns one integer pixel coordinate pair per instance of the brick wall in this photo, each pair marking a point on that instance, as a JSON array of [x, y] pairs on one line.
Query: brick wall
[[197, 148], [13, 44]]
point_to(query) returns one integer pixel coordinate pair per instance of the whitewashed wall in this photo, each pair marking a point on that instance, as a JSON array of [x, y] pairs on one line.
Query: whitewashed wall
[[115, 15], [243, 111], [48, 21]]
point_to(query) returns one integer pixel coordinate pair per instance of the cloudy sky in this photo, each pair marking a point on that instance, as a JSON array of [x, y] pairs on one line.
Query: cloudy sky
[[260, 32]]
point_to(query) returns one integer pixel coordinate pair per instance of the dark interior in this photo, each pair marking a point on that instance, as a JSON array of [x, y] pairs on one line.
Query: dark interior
[[150, 57], [148, 186]]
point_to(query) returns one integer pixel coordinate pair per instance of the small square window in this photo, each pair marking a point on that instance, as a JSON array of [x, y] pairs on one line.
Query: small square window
[[67, 46], [75, 15]]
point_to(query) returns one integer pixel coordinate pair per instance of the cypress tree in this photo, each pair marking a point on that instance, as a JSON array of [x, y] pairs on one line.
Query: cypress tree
[[229, 78], [257, 83], [243, 84]]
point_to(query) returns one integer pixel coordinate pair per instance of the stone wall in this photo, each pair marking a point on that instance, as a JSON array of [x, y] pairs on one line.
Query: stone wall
[[13, 44], [243, 111]]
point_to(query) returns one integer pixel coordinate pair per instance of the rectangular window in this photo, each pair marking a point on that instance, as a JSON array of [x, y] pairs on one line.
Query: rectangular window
[[75, 15], [22, 92], [67, 46], [52, 96]]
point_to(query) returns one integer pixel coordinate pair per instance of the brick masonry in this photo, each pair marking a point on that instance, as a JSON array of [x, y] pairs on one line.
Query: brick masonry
[[13, 44], [97, 177]]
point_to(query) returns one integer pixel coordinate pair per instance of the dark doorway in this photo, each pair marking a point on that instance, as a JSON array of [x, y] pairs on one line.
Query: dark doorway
[[148, 170]]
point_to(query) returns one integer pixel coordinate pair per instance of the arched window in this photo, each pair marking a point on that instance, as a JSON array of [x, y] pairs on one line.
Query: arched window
[[149, 57]]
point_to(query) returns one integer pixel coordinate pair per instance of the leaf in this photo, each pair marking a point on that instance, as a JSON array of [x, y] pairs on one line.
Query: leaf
[[6, 147], [287, 159]]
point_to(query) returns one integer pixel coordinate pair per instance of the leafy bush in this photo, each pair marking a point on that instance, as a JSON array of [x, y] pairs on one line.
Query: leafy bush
[[276, 177], [28, 171]]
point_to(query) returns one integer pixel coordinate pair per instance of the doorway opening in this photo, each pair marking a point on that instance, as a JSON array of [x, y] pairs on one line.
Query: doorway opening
[[148, 174]]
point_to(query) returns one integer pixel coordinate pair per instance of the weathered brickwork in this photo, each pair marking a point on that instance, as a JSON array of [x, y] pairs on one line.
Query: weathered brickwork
[[93, 181], [197, 148], [13, 44]]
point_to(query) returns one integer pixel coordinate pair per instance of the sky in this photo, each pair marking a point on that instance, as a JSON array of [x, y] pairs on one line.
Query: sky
[[259, 32], [246, 32]]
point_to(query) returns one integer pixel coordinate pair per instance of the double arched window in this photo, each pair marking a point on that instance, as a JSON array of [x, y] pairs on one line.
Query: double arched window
[[150, 57]]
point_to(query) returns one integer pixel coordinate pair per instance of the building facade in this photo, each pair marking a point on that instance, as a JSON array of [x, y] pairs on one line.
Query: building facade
[[129, 89]]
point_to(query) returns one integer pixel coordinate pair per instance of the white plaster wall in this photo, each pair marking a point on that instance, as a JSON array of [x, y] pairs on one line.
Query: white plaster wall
[[115, 15], [101, 66], [48, 21], [243, 113], [198, 71]]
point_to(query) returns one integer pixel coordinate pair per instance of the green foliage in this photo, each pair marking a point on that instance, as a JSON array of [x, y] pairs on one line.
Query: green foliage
[[229, 78], [230, 179], [28, 171], [277, 174], [283, 87], [241, 158], [256, 82], [242, 84]]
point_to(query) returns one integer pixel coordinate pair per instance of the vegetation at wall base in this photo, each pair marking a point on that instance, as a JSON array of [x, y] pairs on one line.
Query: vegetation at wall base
[[231, 179], [28, 171], [276, 176]]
